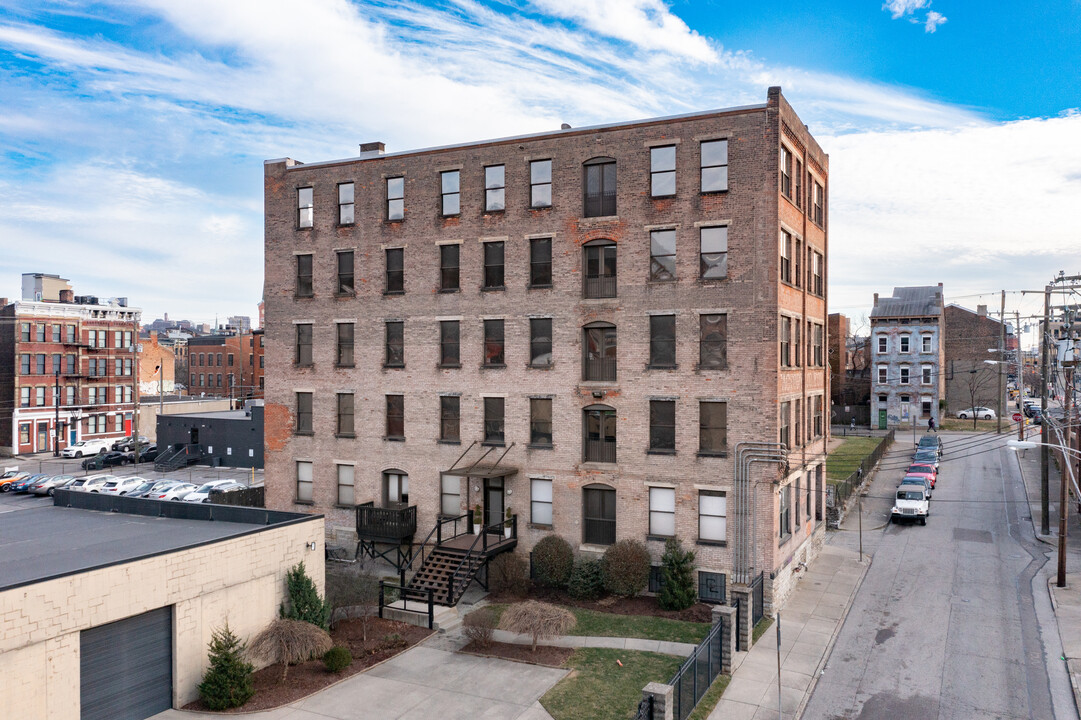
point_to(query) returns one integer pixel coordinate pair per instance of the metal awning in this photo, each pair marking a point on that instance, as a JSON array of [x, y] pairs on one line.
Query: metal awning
[[485, 465]]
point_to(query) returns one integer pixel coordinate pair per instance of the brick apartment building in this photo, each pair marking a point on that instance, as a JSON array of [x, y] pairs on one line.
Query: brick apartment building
[[68, 357], [226, 365], [157, 366], [971, 381], [581, 325], [850, 371]]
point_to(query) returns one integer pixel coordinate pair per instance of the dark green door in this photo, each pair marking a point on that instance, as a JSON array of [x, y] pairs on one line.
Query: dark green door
[[881, 419]]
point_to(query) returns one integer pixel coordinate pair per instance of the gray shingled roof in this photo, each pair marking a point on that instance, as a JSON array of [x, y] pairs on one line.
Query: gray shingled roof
[[910, 302]]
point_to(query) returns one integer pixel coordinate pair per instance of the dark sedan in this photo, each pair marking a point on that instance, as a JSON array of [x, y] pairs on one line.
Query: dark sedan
[[105, 459]]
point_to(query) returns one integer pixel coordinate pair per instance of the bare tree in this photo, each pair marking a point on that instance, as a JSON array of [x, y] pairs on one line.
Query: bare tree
[[353, 592], [975, 381], [541, 620], [289, 642]]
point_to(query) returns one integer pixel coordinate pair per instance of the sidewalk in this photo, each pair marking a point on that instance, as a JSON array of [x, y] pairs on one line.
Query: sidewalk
[[810, 621]]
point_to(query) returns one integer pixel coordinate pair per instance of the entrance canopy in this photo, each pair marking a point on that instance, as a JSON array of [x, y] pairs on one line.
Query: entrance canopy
[[486, 462]]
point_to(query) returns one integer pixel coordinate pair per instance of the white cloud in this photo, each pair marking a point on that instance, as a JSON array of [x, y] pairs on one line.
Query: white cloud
[[934, 19], [899, 8]]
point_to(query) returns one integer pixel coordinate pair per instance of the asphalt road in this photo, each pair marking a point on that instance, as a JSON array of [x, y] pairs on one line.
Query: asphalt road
[[946, 623]]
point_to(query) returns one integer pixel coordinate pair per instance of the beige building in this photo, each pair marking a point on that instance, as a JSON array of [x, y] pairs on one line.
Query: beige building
[[119, 626]]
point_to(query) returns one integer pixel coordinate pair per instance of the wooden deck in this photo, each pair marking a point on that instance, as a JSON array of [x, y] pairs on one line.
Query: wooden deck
[[496, 543]]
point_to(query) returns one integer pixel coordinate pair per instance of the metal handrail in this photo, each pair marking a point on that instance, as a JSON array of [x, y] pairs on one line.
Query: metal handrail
[[427, 594], [438, 532], [483, 539]]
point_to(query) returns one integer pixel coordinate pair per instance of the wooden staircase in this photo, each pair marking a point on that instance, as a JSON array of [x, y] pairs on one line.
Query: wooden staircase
[[438, 574]]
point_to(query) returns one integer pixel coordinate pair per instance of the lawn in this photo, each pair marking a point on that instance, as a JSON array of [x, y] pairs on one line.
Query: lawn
[[844, 460], [981, 425], [599, 688], [599, 624]]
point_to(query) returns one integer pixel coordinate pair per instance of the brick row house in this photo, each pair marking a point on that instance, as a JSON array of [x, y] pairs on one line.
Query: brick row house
[[584, 326], [226, 365], [68, 367]]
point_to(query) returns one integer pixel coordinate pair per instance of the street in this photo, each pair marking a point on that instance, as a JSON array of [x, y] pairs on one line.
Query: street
[[947, 623]]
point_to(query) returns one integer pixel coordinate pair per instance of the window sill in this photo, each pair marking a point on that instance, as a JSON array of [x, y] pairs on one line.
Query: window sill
[[301, 433], [449, 366], [448, 291], [711, 543], [542, 286], [394, 292], [659, 538], [394, 438], [540, 446], [540, 207], [303, 365], [303, 502], [448, 442], [710, 368], [493, 443], [674, 366], [493, 366], [341, 295], [344, 367], [539, 367], [716, 454], [344, 507], [494, 288], [599, 464], [713, 192], [349, 436], [600, 297], [600, 218], [395, 366], [304, 228], [660, 451], [303, 297], [447, 216], [784, 539], [536, 526], [662, 197], [393, 221], [493, 211]]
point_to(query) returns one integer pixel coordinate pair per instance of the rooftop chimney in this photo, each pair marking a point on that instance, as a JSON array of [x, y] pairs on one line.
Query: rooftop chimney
[[876, 299], [67, 296], [372, 149]]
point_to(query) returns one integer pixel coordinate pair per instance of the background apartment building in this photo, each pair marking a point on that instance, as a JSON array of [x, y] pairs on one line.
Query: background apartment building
[[979, 349], [68, 367], [582, 326], [907, 353]]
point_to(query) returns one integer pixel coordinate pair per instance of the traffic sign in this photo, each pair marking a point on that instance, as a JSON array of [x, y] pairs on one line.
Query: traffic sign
[[1017, 417]]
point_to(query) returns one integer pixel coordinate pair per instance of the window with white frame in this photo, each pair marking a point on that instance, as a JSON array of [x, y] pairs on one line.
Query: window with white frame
[[926, 374], [346, 479], [904, 374], [906, 342], [345, 204], [304, 481], [925, 339], [883, 344], [396, 198], [540, 183], [662, 511], [883, 373], [540, 501], [450, 495], [305, 214], [712, 515]]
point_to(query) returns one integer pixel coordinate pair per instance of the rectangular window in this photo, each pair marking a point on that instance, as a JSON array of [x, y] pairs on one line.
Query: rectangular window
[[493, 420], [786, 341], [56, 333], [540, 501], [39, 333], [304, 481], [450, 495], [69, 334], [540, 262], [662, 341], [600, 189], [883, 344], [305, 208], [713, 252], [394, 355], [127, 365], [712, 428], [540, 422], [818, 416], [662, 255], [345, 415], [345, 205], [344, 355], [493, 344], [346, 284], [817, 286], [540, 183], [786, 172], [396, 417], [304, 285], [925, 341], [662, 512], [662, 426], [40, 396], [449, 267], [304, 414], [906, 343], [395, 280], [786, 257], [69, 364], [540, 342], [24, 364], [39, 364], [494, 188], [818, 211], [395, 198], [882, 369], [450, 191], [785, 514], [229, 360], [797, 438], [713, 342], [785, 419], [450, 343], [662, 171], [600, 271], [796, 495], [24, 332], [798, 192], [24, 397], [712, 516], [493, 266], [926, 369], [904, 375], [797, 341], [127, 393], [346, 484], [797, 265], [450, 418], [69, 395], [24, 433], [714, 165], [303, 355]]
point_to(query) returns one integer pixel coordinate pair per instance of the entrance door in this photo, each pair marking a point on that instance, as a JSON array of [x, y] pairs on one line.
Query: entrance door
[[71, 435], [493, 501], [195, 436], [881, 419], [127, 424], [43, 437]]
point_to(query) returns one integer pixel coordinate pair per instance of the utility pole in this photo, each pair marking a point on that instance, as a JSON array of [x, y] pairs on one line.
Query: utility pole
[[1045, 505], [1001, 359], [56, 421], [1020, 385], [1062, 488], [135, 389]]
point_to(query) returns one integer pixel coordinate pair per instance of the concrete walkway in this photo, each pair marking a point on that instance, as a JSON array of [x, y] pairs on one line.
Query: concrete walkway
[[810, 621], [618, 643]]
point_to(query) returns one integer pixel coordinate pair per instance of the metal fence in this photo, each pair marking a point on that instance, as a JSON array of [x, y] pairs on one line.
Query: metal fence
[[840, 492], [694, 677], [758, 599]]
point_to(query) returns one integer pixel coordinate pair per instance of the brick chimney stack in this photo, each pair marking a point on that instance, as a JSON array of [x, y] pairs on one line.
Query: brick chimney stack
[[876, 299]]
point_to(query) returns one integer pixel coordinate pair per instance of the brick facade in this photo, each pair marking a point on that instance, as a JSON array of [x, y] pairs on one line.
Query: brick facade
[[752, 297], [970, 380]]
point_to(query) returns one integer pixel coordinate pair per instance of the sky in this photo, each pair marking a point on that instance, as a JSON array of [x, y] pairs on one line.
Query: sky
[[133, 132]]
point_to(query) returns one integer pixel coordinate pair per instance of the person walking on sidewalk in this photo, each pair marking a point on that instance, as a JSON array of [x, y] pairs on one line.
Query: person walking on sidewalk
[[931, 425]]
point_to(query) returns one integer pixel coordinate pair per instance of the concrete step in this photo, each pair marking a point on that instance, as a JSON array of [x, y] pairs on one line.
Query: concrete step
[[416, 613]]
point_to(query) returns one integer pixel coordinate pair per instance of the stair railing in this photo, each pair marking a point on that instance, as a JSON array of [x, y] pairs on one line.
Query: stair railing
[[472, 552], [426, 545], [404, 593]]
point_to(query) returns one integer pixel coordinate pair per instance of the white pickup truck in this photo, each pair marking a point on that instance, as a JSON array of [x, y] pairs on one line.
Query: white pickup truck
[[911, 504]]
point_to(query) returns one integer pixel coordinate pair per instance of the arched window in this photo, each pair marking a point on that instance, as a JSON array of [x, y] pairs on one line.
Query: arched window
[[599, 187], [599, 351], [599, 434], [598, 515], [599, 273]]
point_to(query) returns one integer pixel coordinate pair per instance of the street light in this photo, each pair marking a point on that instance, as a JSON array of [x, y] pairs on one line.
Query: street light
[[1016, 445]]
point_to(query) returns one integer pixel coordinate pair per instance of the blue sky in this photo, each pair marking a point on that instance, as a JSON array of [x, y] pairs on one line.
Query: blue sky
[[132, 132]]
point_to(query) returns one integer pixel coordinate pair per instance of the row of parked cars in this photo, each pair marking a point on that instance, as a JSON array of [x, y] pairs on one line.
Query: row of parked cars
[[913, 500], [45, 484], [92, 447]]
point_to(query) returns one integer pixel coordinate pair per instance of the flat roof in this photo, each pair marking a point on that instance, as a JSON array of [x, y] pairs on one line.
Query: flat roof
[[46, 542], [213, 415]]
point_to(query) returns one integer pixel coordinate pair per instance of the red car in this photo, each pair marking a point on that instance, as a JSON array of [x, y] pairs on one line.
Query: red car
[[924, 471]]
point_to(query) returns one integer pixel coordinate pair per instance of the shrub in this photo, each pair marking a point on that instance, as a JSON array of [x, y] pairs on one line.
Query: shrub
[[553, 561], [626, 568], [290, 641], [677, 569], [509, 573], [587, 580], [337, 659], [479, 626], [352, 592], [227, 682], [541, 620], [304, 601]]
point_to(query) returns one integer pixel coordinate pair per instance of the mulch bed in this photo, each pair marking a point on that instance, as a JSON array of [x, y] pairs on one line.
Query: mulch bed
[[545, 654], [640, 605], [386, 638]]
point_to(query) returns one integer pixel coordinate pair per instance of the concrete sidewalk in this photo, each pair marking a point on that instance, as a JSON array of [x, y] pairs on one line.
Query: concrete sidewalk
[[810, 621], [618, 643]]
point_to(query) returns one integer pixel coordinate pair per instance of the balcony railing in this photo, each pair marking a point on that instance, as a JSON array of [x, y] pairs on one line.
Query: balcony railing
[[600, 204], [600, 451], [392, 524], [599, 531], [601, 368], [600, 287]]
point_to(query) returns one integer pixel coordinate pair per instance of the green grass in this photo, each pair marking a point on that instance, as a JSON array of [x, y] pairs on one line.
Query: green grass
[[844, 460], [760, 629], [600, 624], [956, 424], [599, 689], [709, 700]]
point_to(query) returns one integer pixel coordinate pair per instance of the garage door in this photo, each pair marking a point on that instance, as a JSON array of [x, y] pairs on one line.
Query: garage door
[[127, 667]]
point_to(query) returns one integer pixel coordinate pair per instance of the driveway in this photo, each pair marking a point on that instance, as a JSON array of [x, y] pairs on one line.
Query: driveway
[[422, 683]]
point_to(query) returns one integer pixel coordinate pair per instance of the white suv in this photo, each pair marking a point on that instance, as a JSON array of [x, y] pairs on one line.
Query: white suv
[[911, 504], [85, 447]]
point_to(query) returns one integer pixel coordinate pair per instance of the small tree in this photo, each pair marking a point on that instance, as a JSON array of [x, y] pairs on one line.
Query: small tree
[[304, 601], [626, 568], [290, 641], [479, 626], [553, 561], [353, 592], [541, 620], [587, 579], [508, 573], [677, 569], [227, 682]]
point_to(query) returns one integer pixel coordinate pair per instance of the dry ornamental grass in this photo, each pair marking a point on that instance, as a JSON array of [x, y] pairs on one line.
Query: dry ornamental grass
[[290, 641], [541, 620]]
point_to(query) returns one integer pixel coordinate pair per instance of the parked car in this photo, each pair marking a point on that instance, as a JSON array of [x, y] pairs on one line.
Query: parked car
[[984, 413], [85, 447], [125, 444], [917, 480], [8, 479], [121, 486], [173, 492], [930, 441], [46, 486], [926, 471], [911, 503], [148, 487], [202, 493], [926, 457], [147, 454], [23, 485], [104, 460], [90, 483]]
